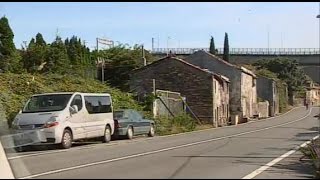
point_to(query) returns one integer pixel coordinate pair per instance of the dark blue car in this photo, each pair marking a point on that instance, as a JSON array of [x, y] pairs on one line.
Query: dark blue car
[[129, 122]]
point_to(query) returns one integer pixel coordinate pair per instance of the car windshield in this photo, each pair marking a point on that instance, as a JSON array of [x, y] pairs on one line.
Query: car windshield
[[47, 103]]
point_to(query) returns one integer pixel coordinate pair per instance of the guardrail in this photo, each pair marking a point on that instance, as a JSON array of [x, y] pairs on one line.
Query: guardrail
[[243, 51]]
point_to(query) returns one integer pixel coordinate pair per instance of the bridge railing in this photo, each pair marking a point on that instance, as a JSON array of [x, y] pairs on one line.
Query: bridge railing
[[240, 51]]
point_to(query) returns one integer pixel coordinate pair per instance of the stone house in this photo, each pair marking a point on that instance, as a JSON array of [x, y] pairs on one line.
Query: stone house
[[313, 94], [267, 91], [206, 93], [243, 92]]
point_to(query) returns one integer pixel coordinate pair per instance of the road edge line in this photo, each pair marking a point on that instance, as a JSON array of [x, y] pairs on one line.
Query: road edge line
[[160, 150], [276, 160]]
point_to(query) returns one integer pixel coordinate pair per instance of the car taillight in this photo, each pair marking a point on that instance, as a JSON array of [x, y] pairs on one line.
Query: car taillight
[[51, 124], [116, 124]]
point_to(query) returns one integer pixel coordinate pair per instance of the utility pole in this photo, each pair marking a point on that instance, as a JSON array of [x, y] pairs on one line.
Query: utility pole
[[318, 16], [152, 43], [281, 40], [268, 40], [154, 93], [102, 70], [168, 45], [143, 57], [102, 63]]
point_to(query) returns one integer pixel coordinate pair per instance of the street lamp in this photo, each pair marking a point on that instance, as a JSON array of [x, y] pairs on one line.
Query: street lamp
[[318, 16]]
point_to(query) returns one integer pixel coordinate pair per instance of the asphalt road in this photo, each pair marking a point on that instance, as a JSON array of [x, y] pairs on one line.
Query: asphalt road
[[227, 152]]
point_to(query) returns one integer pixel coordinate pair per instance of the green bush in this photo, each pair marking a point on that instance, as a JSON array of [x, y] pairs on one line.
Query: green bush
[[173, 125]]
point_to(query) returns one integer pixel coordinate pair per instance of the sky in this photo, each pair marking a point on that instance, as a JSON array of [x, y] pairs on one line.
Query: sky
[[171, 24]]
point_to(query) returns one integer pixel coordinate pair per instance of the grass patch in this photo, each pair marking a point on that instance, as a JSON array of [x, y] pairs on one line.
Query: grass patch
[[174, 125], [311, 151]]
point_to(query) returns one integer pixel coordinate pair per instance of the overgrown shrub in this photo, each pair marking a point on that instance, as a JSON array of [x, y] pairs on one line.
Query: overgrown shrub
[[173, 125]]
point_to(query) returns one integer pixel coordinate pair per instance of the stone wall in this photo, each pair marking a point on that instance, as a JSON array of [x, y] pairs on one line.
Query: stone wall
[[267, 90], [263, 109], [248, 95], [221, 102]]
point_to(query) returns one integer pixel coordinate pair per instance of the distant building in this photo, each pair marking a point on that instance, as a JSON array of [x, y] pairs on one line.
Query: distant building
[[243, 92], [313, 94], [206, 92]]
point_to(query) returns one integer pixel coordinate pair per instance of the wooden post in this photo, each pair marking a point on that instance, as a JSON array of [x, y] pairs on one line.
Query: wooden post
[[154, 109]]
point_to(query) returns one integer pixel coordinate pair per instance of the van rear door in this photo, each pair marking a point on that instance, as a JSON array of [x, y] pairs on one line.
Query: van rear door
[[100, 113]]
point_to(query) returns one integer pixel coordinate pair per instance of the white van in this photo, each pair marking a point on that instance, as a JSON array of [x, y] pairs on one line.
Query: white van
[[68, 116]]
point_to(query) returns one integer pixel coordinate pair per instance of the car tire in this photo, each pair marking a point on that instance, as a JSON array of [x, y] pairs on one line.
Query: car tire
[[66, 141], [107, 135], [129, 133], [151, 131]]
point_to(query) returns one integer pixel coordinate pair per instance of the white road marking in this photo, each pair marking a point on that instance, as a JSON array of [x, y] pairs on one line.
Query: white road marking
[[138, 140], [57, 151], [275, 161], [160, 150]]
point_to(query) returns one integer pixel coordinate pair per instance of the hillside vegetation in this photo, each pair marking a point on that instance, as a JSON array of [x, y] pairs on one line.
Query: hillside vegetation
[[15, 89]]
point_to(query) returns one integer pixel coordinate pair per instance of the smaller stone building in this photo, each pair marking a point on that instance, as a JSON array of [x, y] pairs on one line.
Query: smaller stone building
[[206, 92]]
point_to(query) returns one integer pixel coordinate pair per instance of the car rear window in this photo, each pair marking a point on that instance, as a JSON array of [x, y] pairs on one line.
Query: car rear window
[[118, 114]]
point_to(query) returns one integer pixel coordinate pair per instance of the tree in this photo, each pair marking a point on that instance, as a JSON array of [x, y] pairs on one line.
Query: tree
[[39, 40], [212, 48], [9, 59], [57, 58], [78, 53], [226, 55], [35, 54], [120, 63], [288, 71]]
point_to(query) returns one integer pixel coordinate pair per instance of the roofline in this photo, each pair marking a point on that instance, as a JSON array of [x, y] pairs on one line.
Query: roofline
[[262, 76], [187, 63], [243, 69]]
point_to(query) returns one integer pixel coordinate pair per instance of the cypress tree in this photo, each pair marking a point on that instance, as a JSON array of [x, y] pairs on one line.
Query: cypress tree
[[226, 55], [39, 40], [212, 48], [9, 59], [57, 57]]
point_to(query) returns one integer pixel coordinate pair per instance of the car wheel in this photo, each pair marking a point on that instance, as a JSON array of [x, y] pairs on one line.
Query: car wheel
[[107, 135], [151, 131], [130, 133], [66, 141]]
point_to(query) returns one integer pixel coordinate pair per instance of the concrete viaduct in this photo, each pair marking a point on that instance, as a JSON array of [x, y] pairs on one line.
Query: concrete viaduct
[[308, 58]]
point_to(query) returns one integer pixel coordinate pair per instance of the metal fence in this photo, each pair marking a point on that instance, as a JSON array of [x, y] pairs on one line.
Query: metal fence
[[168, 104], [243, 51]]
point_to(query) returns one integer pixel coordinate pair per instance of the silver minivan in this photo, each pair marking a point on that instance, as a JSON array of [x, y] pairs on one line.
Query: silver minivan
[[62, 118]]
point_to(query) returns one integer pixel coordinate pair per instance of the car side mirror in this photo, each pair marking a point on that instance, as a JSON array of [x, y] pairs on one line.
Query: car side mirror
[[74, 109]]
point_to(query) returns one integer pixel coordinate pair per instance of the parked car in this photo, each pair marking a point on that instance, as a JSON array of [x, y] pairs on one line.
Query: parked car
[[64, 117], [129, 122]]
